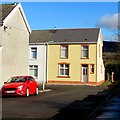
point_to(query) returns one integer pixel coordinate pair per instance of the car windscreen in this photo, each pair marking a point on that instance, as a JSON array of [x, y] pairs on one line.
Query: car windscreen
[[17, 79]]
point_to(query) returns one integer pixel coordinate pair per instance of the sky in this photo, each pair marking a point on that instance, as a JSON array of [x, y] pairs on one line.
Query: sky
[[62, 15]]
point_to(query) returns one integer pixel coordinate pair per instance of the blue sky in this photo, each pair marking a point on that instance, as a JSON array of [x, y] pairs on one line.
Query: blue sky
[[47, 15]]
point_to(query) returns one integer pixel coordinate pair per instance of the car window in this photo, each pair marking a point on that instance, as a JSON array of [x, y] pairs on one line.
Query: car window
[[17, 79], [31, 79]]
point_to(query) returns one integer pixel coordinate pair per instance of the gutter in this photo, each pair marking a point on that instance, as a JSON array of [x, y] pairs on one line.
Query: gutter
[[52, 43]]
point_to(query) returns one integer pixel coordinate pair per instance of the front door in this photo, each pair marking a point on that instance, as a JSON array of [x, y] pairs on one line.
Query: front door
[[84, 73]]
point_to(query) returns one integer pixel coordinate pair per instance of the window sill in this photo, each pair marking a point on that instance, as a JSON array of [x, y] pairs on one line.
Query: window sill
[[63, 76], [84, 58], [63, 58], [33, 58]]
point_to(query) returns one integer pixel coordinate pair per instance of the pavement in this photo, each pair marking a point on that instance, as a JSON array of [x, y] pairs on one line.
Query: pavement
[[45, 90]]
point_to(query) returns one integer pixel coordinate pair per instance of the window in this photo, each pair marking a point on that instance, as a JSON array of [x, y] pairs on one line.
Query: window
[[64, 52], [92, 68], [63, 69], [31, 79], [84, 51], [34, 53], [33, 70]]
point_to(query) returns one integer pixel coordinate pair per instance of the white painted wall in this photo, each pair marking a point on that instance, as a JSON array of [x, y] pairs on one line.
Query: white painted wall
[[0, 67], [100, 64], [15, 40], [40, 61]]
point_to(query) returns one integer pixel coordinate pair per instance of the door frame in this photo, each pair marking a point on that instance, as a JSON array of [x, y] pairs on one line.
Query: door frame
[[87, 67]]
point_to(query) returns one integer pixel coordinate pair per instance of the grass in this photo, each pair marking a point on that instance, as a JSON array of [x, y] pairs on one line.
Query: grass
[[107, 82]]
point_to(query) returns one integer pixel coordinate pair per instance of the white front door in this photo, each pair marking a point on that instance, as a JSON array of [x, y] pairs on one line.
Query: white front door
[[85, 73]]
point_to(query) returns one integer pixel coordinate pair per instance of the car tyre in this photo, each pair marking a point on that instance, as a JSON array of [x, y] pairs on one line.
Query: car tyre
[[27, 92], [37, 91]]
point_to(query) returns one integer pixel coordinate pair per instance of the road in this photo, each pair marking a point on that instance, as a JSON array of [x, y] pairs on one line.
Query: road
[[110, 109], [46, 104]]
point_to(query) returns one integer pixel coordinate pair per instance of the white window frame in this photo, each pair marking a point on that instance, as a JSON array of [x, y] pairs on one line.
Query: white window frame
[[31, 52], [85, 49], [64, 51], [64, 68], [34, 67]]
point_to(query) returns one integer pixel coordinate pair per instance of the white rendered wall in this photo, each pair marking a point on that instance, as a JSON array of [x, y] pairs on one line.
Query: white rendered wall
[[40, 62]]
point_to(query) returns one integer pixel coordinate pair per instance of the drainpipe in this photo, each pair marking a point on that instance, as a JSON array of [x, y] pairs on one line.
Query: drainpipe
[[46, 62], [45, 66], [1, 82]]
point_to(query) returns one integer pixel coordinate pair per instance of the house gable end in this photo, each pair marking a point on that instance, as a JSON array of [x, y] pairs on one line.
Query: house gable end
[[12, 12], [100, 38]]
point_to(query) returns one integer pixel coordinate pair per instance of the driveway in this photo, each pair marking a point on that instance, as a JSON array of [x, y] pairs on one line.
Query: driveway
[[46, 104]]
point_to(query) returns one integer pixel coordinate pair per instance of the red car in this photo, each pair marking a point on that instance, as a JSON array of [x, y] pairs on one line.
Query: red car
[[20, 85]]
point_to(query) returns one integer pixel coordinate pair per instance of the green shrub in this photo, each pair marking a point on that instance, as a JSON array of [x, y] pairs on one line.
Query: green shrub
[[113, 67]]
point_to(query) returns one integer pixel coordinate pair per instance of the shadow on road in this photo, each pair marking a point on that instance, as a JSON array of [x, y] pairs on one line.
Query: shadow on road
[[81, 109]]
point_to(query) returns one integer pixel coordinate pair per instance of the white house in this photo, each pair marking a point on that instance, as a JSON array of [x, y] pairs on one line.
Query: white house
[[38, 55], [14, 41]]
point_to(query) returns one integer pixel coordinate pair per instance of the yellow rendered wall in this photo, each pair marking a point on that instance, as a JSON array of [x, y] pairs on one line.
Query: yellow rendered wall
[[75, 61]]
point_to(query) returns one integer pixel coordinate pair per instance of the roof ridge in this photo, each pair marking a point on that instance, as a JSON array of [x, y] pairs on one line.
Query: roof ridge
[[10, 3], [65, 29]]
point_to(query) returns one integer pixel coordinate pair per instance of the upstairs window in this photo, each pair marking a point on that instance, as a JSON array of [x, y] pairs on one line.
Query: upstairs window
[[64, 51], [84, 51], [64, 70], [33, 53]]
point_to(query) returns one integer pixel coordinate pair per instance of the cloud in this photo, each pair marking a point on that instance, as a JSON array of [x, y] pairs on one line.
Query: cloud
[[109, 22], [112, 37]]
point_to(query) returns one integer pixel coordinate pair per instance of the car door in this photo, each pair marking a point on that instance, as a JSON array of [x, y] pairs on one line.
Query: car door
[[32, 85]]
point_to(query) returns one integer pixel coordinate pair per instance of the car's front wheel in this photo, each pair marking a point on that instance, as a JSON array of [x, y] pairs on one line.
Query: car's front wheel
[[37, 91], [27, 92]]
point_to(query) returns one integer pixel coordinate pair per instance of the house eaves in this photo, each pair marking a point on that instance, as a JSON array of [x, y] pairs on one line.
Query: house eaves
[[51, 43], [18, 6], [43, 43]]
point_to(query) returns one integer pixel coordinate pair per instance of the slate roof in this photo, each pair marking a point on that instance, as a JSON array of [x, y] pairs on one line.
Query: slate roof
[[83, 35], [5, 10], [38, 36]]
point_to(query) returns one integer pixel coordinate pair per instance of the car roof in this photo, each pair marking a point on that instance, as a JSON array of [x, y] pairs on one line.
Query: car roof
[[21, 76]]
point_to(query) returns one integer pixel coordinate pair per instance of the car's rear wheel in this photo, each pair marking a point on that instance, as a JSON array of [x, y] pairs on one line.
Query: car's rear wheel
[[37, 91], [27, 92]]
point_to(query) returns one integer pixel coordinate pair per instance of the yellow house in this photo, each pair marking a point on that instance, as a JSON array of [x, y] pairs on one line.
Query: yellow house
[[75, 56]]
